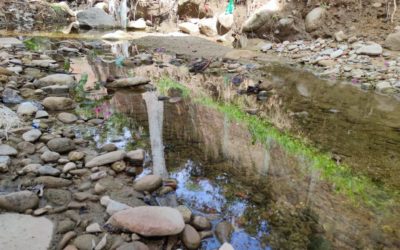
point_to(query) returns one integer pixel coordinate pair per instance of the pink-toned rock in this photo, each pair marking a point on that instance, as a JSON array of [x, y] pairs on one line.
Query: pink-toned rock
[[149, 221]]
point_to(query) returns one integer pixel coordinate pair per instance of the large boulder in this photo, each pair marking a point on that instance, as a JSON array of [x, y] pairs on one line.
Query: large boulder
[[149, 221], [55, 79], [58, 103], [106, 159], [392, 41], [261, 17], [225, 23], [315, 19], [19, 201], [19, 231], [95, 18]]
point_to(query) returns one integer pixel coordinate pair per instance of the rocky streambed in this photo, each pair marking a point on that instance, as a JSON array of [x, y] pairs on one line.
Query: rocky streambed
[[102, 148]]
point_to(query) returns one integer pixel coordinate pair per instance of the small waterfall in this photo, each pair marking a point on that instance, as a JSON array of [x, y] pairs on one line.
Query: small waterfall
[[123, 11], [155, 112]]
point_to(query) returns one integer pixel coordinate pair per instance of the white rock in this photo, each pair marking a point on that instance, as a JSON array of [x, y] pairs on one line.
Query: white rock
[[139, 24]]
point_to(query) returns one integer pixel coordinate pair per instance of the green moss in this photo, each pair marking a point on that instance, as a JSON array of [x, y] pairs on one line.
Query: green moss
[[165, 84]]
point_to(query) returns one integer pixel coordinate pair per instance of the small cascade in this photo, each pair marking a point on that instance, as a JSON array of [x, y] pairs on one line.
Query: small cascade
[[155, 112], [123, 12]]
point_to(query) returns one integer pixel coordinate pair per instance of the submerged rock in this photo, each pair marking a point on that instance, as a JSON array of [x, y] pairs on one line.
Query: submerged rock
[[201, 223], [224, 231], [19, 201], [149, 221]]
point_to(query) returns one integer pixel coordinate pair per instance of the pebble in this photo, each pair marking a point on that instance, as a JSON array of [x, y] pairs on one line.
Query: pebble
[[98, 175]]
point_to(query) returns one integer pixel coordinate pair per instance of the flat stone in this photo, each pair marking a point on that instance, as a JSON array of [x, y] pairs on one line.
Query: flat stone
[[57, 197], [106, 159], [98, 175], [56, 79], [19, 201], [9, 41], [52, 182], [18, 231], [128, 82], [149, 221]]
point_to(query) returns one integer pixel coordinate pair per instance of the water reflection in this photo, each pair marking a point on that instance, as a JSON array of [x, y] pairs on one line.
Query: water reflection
[[267, 183]]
